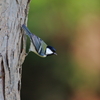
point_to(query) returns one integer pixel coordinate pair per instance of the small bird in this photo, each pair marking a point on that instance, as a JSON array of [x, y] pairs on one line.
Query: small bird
[[38, 46]]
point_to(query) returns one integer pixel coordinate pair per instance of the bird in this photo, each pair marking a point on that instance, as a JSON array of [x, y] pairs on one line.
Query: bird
[[38, 46]]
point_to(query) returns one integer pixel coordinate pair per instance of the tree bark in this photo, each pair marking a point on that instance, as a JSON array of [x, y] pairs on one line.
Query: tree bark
[[13, 14]]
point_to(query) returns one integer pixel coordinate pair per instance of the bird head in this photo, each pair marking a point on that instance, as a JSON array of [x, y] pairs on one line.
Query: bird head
[[50, 51]]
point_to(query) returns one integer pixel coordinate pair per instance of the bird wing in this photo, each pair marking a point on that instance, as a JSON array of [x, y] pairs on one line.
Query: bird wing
[[43, 49], [39, 44]]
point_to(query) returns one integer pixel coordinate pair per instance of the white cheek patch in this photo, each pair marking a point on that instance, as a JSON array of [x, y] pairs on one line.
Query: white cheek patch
[[48, 51]]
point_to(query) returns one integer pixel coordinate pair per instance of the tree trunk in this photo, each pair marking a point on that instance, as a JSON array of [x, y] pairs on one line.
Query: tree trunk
[[13, 14]]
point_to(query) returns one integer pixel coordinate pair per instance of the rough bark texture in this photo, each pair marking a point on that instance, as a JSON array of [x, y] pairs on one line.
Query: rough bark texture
[[13, 14]]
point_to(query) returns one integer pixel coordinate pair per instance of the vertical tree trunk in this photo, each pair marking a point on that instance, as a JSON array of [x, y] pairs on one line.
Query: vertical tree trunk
[[13, 14]]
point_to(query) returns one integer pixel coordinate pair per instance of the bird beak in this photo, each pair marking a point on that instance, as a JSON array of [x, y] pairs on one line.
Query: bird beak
[[55, 53]]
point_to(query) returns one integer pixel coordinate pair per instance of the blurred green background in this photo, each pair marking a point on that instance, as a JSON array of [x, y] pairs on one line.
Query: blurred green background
[[73, 28]]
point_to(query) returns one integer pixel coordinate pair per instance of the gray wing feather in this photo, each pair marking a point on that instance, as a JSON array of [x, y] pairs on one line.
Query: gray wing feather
[[36, 42]]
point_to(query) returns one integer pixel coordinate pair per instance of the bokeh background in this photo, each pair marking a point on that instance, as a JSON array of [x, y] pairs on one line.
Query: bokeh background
[[73, 28]]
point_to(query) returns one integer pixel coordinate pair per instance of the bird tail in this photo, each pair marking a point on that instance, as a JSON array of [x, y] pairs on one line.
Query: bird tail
[[26, 30]]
